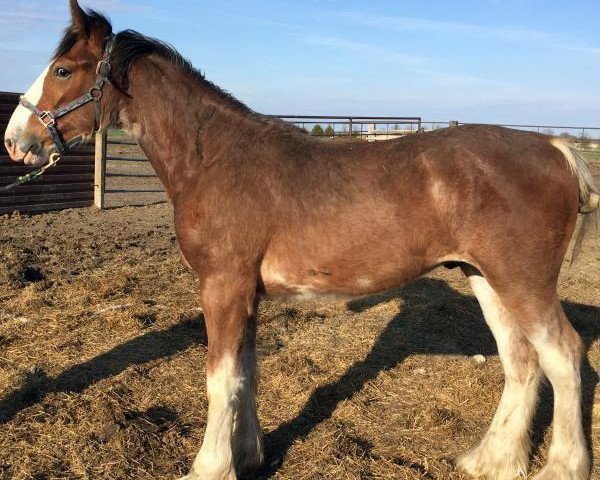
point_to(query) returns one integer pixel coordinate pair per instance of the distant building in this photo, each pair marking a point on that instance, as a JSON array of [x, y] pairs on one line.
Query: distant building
[[386, 133]]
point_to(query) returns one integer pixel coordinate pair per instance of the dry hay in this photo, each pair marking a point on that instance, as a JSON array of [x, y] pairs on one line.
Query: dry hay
[[102, 352]]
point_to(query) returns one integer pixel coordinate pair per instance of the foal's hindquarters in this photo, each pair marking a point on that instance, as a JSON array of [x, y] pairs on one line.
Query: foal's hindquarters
[[518, 297]]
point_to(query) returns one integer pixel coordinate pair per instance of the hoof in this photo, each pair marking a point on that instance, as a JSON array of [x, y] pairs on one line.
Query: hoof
[[249, 455], [199, 476], [561, 471], [493, 465]]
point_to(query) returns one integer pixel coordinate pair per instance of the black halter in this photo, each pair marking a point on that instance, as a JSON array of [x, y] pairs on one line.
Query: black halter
[[94, 94]]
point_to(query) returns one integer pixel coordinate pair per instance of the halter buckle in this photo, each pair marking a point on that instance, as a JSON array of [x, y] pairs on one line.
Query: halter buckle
[[47, 119], [96, 93], [103, 68]]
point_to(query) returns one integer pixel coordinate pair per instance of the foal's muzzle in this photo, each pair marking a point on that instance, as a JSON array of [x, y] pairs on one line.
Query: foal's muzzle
[[26, 148]]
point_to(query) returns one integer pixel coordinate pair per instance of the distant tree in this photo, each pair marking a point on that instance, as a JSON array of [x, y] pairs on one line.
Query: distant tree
[[317, 130], [548, 131], [584, 139], [567, 136], [329, 131]]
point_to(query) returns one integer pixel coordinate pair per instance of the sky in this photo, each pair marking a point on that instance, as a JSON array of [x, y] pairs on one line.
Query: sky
[[497, 61]]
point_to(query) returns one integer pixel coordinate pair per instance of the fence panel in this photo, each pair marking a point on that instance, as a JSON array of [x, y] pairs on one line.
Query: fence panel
[[364, 128], [129, 177]]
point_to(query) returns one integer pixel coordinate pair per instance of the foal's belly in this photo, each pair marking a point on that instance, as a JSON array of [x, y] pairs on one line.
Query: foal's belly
[[308, 278], [353, 249]]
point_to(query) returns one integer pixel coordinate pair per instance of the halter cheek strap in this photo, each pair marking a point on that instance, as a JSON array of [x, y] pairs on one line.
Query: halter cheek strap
[[94, 94]]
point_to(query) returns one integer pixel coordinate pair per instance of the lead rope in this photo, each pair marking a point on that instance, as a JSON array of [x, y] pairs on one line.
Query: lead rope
[[53, 160]]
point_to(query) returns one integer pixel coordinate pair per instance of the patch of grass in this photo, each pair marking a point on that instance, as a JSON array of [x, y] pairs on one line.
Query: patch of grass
[[591, 155], [116, 134]]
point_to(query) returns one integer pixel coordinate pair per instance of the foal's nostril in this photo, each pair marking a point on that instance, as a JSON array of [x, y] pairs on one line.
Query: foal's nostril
[[9, 144], [29, 144]]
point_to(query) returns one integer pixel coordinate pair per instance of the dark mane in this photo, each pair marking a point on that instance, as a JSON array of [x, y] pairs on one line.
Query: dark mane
[[130, 46]]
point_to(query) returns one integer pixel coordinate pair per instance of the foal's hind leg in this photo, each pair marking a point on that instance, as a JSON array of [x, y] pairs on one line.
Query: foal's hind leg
[[231, 436], [504, 450], [559, 349]]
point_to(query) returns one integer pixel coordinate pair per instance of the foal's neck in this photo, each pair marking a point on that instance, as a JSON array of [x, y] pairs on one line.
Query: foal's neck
[[180, 120]]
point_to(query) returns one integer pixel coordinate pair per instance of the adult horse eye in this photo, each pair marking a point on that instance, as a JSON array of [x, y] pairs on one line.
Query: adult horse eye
[[62, 72]]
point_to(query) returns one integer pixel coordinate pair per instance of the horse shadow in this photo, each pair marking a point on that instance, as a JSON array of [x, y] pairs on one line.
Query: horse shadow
[[434, 319], [453, 325], [153, 345]]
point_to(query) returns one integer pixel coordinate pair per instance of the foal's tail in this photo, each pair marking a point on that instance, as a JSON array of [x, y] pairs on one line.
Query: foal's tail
[[589, 195]]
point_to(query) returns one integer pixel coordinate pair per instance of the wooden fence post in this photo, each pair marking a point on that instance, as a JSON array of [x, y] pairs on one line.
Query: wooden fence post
[[100, 170]]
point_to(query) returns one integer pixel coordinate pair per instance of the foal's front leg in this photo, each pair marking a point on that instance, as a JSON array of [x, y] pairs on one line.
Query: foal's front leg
[[247, 439], [228, 304]]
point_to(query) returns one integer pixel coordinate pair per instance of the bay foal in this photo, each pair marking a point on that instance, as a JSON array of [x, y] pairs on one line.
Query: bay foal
[[262, 208]]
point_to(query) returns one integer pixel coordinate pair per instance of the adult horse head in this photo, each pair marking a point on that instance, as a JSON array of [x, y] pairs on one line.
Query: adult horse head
[[63, 106], [262, 208]]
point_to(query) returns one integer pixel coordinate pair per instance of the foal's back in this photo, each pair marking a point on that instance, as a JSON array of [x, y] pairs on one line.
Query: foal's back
[[357, 217]]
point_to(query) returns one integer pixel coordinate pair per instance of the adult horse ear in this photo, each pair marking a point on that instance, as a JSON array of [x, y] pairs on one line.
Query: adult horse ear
[[80, 20]]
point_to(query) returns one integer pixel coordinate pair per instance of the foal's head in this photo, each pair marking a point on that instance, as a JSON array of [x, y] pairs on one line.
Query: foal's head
[[70, 75]]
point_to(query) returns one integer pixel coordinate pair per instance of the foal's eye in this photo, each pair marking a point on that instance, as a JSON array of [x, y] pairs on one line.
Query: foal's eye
[[62, 72]]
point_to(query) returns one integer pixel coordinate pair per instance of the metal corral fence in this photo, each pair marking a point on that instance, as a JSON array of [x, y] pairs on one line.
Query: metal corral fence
[[125, 177], [366, 128], [585, 138]]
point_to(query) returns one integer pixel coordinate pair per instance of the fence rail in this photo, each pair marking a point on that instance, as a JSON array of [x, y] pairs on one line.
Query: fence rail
[[364, 127], [124, 174]]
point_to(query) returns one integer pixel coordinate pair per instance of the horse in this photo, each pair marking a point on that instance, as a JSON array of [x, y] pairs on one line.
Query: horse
[[262, 208]]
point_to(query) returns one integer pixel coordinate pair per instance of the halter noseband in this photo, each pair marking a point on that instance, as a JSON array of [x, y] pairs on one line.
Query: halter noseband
[[94, 94]]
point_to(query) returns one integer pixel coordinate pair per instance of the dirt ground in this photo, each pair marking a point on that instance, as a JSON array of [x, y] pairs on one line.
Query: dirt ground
[[102, 354]]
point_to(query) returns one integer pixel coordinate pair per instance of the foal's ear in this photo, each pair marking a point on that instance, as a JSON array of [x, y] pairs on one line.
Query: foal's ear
[[91, 27], [80, 20]]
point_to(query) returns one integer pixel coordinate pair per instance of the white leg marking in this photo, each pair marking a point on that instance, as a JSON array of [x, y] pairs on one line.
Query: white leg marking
[[503, 453], [215, 459], [560, 360]]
